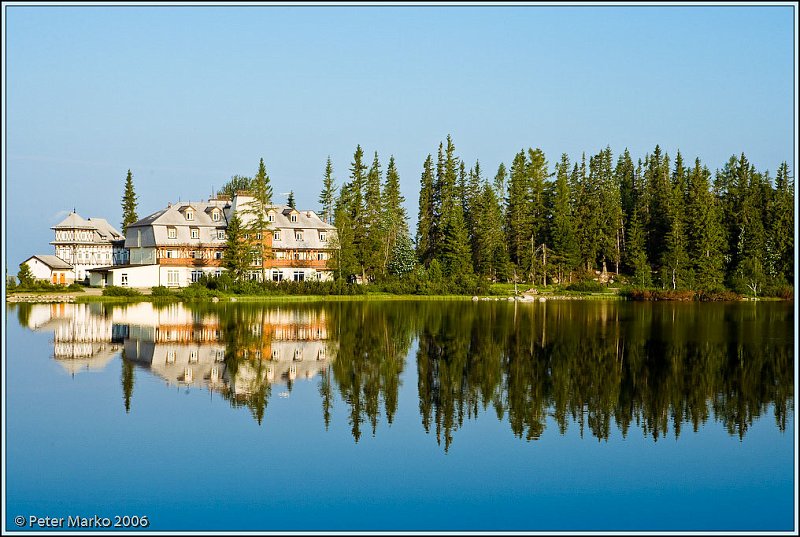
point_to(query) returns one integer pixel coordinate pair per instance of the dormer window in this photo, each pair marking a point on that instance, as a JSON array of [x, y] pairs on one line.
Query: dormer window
[[271, 217], [294, 218], [189, 214], [215, 216]]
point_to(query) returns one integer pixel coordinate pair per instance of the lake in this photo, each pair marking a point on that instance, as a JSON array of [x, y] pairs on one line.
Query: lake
[[403, 415]]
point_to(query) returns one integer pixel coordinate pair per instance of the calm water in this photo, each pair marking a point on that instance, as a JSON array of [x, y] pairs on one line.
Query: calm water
[[404, 415]]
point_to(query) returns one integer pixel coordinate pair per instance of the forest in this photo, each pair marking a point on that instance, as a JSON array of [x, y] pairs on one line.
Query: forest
[[656, 222]]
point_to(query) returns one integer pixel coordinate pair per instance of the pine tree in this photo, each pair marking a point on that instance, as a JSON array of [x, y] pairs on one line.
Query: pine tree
[[781, 216], [290, 202], [237, 251], [455, 255], [500, 179], [25, 275], [350, 221], [518, 217], [492, 258], [426, 215], [255, 220], [637, 253], [372, 258], [393, 214], [705, 233], [327, 196], [129, 203], [675, 257], [566, 254], [537, 183], [237, 183]]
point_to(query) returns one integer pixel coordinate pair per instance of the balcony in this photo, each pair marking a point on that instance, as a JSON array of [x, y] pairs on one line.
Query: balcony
[[189, 262]]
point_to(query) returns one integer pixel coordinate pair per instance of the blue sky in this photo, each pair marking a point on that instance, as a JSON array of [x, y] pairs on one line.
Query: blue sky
[[188, 96]]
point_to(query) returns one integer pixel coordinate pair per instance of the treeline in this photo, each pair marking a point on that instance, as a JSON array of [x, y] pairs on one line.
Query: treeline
[[660, 221]]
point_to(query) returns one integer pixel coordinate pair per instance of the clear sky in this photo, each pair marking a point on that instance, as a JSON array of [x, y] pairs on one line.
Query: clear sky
[[187, 96]]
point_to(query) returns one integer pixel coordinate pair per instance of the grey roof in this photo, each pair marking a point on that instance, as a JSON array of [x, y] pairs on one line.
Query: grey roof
[[51, 261], [74, 220], [106, 230], [154, 228]]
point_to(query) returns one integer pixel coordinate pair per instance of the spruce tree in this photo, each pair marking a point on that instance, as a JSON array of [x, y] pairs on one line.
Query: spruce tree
[[781, 236], [237, 251], [675, 257], [704, 229], [290, 202], [426, 215], [393, 215], [237, 183], [327, 196], [566, 254], [372, 253], [255, 220], [129, 203], [518, 216]]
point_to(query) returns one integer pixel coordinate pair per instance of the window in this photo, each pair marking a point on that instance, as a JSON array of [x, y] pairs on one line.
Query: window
[[192, 357], [271, 217], [320, 256], [196, 275], [246, 236], [195, 233], [255, 259], [218, 273], [138, 237], [299, 275], [172, 254], [190, 214], [221, 234], [215, 216], [277, 276], [294, 218], [172, 277], [276, 235], [124, 280], [170, 357], [172, 233], [296, 255], [217, 255], [323, 236], [298, 234], [258, 236]]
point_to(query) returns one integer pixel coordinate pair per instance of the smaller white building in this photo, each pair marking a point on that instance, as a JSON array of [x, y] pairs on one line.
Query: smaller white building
[[50, 268]]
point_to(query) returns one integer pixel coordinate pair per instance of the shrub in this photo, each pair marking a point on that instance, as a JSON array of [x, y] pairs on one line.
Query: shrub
[[160, 290], [113, 290], [586, 286], [75, 287]]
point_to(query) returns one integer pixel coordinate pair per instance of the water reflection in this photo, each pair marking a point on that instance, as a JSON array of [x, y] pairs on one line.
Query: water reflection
[[594, 366]]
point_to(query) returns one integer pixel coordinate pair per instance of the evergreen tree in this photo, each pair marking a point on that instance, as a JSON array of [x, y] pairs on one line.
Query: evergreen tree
[[372, 254], [403, 257], [781, 217], [491, 260], [426, 215], [238, 183], [327, 196], [518, 215], [393, 215], [455, 255], [290, 202], [237, 251], [255, 221], [706, 242], [500, 179], [25, 275], [637, 253], [566, 254], [537, 185], [675, 257], [129, 203], [350, 221]]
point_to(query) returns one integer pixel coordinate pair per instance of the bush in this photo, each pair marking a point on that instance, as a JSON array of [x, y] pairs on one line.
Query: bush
[[75, 287], [783, 291], [160, 291], [113, 290], [586, 286]]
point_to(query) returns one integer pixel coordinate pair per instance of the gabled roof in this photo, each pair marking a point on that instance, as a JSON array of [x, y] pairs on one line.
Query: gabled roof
[[72, 221], [51, 261], [174, 215], [105, 229]]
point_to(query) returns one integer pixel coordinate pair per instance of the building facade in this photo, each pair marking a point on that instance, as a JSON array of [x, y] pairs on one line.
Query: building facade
[[186, 241], [87, 244]]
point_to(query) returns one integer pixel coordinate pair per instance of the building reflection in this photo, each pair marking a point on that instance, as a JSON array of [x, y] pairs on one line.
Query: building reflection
[[190, 348]]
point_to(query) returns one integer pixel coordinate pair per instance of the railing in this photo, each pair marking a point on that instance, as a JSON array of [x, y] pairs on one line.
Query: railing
[[189, 262]]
